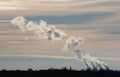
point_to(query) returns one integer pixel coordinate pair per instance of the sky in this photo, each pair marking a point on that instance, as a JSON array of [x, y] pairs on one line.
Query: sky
[[97, 21]]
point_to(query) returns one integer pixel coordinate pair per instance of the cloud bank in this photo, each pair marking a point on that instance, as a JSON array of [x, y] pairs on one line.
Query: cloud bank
[[40, 30]]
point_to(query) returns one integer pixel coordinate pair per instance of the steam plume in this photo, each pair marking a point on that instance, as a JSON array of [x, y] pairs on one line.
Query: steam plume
[[95, 63], [41, 29], [92, 63], [73, 44]]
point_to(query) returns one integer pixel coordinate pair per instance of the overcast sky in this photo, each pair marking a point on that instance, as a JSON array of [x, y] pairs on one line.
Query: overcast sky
[[98, 21]]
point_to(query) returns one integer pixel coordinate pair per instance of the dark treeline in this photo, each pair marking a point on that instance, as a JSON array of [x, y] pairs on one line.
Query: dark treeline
[[63, 72]]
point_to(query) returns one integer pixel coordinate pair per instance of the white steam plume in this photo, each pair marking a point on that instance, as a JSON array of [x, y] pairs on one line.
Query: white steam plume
[[73, 44], [95, 63], [92, 63], [41, 29]]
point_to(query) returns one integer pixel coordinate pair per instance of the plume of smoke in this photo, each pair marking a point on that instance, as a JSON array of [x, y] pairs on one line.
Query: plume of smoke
[[41, 29], [19, 21], [95, 63], [73, 44], [92, 63]]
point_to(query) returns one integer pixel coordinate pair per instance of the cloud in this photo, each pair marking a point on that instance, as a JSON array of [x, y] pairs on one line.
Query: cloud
[[40, 30], [19, 21]]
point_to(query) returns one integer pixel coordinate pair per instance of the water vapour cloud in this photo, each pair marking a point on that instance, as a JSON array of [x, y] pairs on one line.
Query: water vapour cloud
[[92, 63], [40, 30], [73, 44]]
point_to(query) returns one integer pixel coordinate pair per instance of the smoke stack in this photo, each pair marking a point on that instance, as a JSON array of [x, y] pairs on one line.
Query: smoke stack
[[106, 67], [94, 66], [87, 65]]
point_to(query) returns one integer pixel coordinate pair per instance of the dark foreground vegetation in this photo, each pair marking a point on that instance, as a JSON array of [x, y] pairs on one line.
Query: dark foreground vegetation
[[58, 73]]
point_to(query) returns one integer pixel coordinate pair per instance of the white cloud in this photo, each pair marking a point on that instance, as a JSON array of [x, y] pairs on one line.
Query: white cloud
[[73, 43], [40, 30]]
